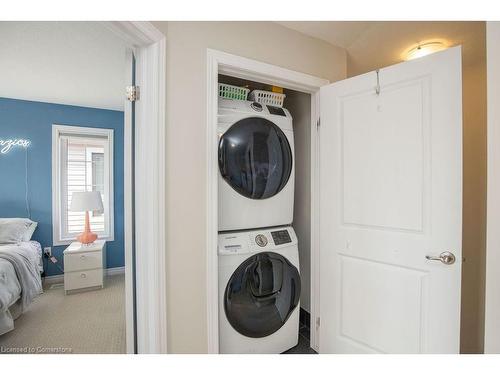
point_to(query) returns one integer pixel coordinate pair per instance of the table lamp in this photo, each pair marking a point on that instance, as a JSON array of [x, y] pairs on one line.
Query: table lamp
[[86, 201]]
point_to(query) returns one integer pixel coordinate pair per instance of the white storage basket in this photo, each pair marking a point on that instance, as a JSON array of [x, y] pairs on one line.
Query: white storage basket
[[267, 97], [233, 92]]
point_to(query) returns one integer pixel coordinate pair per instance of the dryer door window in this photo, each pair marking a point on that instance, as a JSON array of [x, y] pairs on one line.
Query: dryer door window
[[262, 294], [255, 158]]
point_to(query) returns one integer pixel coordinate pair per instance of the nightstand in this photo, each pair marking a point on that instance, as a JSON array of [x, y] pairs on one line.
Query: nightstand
[[84, 266]]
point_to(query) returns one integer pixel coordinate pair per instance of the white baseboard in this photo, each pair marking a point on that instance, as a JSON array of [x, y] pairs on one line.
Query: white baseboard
[[54, 279], [114, 271]]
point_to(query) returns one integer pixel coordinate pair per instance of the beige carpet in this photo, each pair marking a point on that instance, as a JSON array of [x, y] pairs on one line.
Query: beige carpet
[[88, 322]]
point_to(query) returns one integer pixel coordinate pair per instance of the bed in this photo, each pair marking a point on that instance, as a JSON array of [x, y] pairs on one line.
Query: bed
[[20, 280]]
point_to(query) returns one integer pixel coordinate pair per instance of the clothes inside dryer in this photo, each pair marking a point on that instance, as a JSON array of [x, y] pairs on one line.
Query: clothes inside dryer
[[261, 294]]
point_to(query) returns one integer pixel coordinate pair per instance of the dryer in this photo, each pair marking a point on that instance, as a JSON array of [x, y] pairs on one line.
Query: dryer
[[259, 291], [256, 165]]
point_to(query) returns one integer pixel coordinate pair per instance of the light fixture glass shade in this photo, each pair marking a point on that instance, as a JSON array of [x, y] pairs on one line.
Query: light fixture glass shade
[[86, 201], [424, 49]]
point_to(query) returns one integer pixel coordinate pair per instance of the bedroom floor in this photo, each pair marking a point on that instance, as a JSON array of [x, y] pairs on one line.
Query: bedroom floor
[[89, 322]]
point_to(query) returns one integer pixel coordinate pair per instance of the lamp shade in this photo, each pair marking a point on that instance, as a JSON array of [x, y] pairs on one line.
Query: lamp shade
[[86, 201]]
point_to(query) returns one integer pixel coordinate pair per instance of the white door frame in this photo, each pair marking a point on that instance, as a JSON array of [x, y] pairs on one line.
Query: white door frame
[[492, 299], [149, 46], [241, 67]]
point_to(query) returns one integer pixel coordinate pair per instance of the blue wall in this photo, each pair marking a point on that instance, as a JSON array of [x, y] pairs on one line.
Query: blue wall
[[33, 121]]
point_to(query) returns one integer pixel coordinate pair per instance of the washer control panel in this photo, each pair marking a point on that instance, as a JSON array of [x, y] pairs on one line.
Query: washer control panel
[[281, 237], [239, 243]]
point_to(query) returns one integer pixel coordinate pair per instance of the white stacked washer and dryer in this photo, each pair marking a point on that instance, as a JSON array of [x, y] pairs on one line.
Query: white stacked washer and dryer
[[259, 279]]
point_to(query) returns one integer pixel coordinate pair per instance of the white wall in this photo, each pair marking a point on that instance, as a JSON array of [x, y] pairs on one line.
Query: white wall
[[185, 145], [492, 313], [299, 105], [474, 207], [76, 63]]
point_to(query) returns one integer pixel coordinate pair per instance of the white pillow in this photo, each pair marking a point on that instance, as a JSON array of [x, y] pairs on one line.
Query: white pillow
[[30, 231], [14, 230]]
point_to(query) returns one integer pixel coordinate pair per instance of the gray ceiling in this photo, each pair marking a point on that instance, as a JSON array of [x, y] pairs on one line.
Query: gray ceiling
[[375, 44]]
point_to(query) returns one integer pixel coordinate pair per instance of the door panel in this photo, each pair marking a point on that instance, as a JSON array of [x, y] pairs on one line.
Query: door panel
[[382, 147], [372, 316], [390, 194]]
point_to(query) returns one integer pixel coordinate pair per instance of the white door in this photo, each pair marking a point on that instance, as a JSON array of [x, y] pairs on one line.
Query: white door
[[391, 195]]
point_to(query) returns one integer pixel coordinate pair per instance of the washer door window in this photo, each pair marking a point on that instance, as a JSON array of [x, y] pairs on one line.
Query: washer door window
[[262, 294], [255, 158]]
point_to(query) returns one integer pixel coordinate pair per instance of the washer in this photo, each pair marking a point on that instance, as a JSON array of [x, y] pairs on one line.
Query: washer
[[259, 291], [256, 166]]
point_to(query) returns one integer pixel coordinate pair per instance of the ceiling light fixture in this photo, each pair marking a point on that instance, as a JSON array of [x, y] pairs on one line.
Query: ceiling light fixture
[[424, 49]]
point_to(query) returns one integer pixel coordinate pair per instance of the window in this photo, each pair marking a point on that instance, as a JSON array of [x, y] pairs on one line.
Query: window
[[82, 161]]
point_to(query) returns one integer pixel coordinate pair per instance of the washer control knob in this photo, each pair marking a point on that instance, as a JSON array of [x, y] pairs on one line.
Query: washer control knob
[[256, 106], [261, 240]]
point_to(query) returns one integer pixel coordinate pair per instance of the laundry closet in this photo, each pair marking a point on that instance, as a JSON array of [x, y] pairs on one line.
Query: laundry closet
[[373, 224], [264, 217]]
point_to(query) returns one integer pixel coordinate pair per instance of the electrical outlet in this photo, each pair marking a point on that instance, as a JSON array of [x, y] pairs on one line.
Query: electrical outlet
[[47, 251]]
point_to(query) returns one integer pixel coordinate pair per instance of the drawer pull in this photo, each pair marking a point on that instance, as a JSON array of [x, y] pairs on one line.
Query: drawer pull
[[83, 275], [82, 256]]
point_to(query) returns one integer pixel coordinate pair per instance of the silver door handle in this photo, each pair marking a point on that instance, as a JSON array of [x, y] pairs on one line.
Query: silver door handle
[[445, 257]]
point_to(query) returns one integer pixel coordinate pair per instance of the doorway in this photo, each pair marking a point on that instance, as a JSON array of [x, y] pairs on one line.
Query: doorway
[[72, 178], [146, 310], [145, 188], [238, 68]]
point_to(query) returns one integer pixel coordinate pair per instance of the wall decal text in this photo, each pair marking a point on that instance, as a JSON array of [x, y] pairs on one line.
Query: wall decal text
[[7, 145]]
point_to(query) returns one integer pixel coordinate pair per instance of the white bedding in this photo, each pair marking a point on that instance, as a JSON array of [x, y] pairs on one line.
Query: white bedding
[[35, 249], [10, 286]]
